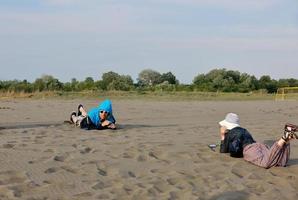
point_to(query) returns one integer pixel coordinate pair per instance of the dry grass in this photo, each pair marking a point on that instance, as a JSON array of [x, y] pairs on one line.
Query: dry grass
[[164, 96]]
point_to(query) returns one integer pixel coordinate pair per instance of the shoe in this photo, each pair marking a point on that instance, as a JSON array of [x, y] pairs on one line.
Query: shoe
[[291, 127], [295, 135], [79, 112], [289, 135], [289, 132], [72, 114]]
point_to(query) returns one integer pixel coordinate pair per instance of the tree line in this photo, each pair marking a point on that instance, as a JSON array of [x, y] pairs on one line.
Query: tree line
[[216, 80]]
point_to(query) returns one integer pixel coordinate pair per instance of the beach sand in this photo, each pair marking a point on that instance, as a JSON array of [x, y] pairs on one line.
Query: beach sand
[[160, 151]]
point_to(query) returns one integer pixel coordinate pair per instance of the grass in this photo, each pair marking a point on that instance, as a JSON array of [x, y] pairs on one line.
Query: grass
[[144, 95]]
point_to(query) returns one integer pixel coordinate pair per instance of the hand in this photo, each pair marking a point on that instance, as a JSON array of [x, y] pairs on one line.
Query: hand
[[112, 126], [106, 123], [223, 130]]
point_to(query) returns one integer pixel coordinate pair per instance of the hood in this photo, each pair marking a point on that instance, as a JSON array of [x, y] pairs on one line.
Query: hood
[[106, 105]]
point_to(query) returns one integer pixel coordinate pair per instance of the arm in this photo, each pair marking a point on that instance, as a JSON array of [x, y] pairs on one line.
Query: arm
[[108, 124], [224, 140]]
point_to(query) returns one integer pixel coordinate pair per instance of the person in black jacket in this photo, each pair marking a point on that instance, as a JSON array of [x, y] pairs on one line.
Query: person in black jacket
[[239, 143]]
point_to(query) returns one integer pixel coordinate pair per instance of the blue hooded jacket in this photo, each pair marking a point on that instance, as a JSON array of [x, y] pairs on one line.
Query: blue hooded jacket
[[93, 114]]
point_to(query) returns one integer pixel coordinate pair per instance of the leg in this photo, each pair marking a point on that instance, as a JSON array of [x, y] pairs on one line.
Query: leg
[[285, 156], [260, 155], [279, 154], [73, 118], [82, 111], [257, 154], [284, 143], [76, 119]]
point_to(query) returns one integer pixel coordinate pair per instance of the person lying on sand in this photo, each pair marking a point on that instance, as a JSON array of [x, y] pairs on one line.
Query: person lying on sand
[[100, 117], [239, 143]]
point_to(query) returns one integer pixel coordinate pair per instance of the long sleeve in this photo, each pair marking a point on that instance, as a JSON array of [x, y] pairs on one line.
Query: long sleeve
[[224, 145]]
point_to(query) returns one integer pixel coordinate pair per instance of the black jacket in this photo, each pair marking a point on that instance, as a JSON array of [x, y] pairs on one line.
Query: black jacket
[[235, 140]]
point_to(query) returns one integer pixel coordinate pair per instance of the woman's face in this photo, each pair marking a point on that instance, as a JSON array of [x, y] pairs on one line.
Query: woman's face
[[103, 114], [223, 129]]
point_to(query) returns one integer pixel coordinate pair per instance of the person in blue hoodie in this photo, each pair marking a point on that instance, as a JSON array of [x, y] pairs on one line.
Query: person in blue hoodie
[[100, 117]]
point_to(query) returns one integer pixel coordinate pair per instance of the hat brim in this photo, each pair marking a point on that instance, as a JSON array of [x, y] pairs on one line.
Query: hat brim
[[228, 125]]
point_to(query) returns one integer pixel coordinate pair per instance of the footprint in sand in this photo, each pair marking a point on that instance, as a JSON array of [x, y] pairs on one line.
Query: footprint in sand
[[157, 154], [128, 188], [101, 168], [18, 190], [127, 174], [49, 151], [142, 158], [240, 170], [161, 186], [6, 193], [8, 146], [176, 195], [51, 170], [14, 184], [84, 195], [61, 158], [100, 185], [12, 177], [103, 196], [70, 169], [129, 154], [131, 174], [173, 181], [85, 150], [152, 192]]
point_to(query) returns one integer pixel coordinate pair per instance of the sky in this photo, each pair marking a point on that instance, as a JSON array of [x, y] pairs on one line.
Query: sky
[[86, 38]]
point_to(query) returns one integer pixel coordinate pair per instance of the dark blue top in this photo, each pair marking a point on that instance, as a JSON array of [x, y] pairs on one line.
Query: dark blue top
[[235, 140]]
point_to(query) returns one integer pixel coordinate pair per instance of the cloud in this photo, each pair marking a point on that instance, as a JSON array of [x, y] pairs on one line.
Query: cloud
[[107, 19], [61, 2], [227, 4], [226, 44]]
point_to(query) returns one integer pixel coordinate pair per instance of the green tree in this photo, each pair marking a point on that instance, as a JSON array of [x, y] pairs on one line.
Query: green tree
[[247, 83], [267, 83], [89, 83], [39, 85], [201, 83], [99, 85], [47, 82], [169, 77], [264, 81], [74, 84], [108, 78], [114, 81], [235, 75], [149, 77], [124, 82]]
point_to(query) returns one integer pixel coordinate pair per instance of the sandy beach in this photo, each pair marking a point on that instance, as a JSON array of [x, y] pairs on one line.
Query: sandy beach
[[160, 151]]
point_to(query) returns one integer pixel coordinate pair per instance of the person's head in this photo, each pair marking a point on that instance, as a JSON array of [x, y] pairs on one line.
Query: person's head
[[231, 121], [103, 114], [105, 109]]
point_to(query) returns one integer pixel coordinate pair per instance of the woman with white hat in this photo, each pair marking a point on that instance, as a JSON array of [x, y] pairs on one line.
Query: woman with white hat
[[239, 143]]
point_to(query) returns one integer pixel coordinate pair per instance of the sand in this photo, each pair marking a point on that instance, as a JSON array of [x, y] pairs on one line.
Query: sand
[[159, 152]]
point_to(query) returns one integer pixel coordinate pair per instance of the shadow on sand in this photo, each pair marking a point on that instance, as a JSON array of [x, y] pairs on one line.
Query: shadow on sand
[[137, 126], [293, 161], [56, 124], [31, 125], [231, 195]]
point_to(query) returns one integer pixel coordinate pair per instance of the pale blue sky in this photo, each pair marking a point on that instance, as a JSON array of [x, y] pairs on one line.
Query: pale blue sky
[[80, 38]]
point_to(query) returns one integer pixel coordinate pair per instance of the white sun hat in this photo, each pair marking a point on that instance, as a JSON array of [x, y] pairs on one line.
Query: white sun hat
[[231, 121]]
